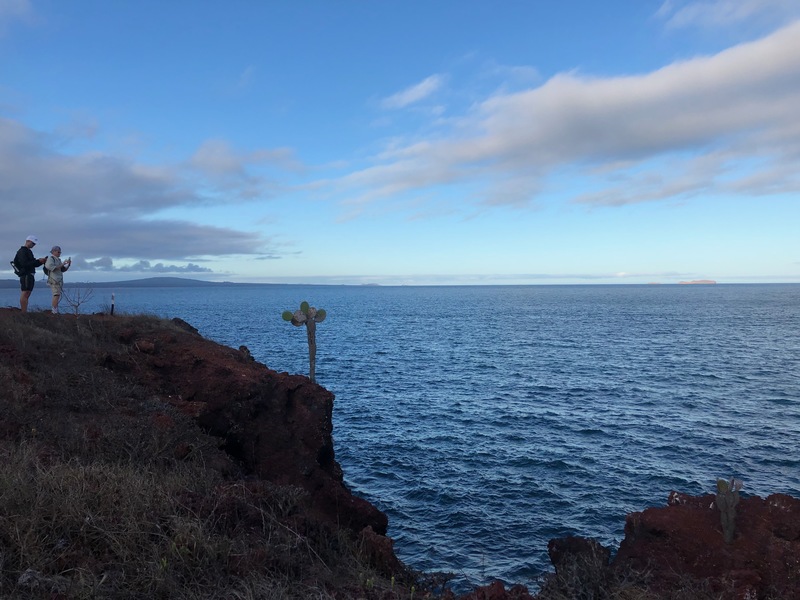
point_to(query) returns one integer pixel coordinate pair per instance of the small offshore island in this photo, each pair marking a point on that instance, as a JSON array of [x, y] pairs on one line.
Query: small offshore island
[[145, 461], [698, 282]]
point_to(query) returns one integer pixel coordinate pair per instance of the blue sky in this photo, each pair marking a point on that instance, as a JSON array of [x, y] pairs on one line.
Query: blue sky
[[404, 142]]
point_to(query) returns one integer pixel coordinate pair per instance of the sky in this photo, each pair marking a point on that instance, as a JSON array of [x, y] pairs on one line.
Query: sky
[[404, 142]]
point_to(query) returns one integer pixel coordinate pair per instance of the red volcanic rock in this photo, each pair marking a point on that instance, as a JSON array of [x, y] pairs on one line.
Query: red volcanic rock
[[379, 550], [564, 550], [497, 591], [277, 426], [685, 540], [276, 430], [137, 388]]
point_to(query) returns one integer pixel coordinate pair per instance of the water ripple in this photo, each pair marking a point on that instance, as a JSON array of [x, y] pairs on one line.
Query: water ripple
[[484, 436]]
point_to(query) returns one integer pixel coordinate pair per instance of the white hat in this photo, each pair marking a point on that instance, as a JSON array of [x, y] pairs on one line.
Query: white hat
[[32, 238]]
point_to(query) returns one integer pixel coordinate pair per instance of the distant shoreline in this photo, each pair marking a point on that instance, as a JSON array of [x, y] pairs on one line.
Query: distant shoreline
[[167, 282], [145, 283]]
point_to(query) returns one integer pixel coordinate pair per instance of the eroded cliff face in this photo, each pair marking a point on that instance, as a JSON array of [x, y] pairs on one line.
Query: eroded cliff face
[[152, 380], [685, 540], [275, 426], [679, 551]]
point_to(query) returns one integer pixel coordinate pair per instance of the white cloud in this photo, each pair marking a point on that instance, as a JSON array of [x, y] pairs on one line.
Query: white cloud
[[717, 13], [11, 10], [413, 94], [99, 205], [233, 172], [739, 106], [217, 156], [246, 78], [106, 263], [14, 8]]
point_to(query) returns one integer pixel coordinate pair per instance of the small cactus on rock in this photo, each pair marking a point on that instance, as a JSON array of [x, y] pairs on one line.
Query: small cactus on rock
[[308, 316], [726, 501]]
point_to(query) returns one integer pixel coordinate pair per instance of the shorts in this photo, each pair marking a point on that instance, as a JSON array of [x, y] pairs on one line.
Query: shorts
[[56, 286], [26, 282]]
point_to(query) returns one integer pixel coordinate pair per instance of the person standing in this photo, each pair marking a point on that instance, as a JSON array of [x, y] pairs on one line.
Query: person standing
[[27, 264], [55, 277]]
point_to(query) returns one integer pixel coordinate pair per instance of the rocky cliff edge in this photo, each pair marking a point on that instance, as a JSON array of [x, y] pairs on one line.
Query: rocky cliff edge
[[276, 427]]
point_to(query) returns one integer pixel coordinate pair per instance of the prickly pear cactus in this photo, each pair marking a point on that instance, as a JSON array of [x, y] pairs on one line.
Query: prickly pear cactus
[[726, 500], [308, 316]]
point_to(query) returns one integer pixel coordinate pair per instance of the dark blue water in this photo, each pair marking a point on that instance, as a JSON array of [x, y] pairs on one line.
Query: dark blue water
[[486, 420]]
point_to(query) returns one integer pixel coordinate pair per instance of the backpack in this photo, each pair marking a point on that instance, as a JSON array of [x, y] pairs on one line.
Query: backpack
[[18, 270], [48, 273]]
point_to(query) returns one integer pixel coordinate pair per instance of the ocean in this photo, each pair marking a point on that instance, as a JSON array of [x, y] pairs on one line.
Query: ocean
[[487, 420]]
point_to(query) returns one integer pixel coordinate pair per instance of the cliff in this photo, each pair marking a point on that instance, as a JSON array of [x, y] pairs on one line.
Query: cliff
[[679, 551], [217, 473], [143, 460]]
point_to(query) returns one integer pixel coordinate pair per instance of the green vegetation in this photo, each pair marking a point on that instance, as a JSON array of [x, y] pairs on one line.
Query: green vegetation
[[308, 316]]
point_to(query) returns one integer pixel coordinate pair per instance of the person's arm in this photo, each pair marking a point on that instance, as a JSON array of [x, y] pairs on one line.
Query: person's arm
[[50, 263]]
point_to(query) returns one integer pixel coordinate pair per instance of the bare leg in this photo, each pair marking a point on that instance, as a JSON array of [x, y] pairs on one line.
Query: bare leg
[[23, 300], [56, 300]]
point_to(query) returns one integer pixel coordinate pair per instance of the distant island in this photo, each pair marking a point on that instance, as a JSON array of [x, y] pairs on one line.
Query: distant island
[[147, 282], [166, 282]]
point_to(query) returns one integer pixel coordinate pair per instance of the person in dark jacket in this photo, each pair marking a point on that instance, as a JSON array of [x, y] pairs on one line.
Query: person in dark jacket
[[27, 264]]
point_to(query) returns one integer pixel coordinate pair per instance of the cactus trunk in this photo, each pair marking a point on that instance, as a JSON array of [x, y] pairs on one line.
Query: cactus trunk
[[311, 330], [308, 316], [726, 500]]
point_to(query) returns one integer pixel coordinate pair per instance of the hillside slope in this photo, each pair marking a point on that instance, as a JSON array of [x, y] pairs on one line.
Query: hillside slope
[[141, 460], [146, 461]]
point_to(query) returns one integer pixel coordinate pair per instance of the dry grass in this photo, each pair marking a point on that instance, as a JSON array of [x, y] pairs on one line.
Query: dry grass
[[97, 530], [588, 577], [95, 504]]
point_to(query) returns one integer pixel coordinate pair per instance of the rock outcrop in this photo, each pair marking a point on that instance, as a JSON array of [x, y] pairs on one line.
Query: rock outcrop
[[684, 540], [272, 428], [276, 427], [681, 549]]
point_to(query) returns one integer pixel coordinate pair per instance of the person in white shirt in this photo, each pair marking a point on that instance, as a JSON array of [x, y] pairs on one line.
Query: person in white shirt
[[55, 277]]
